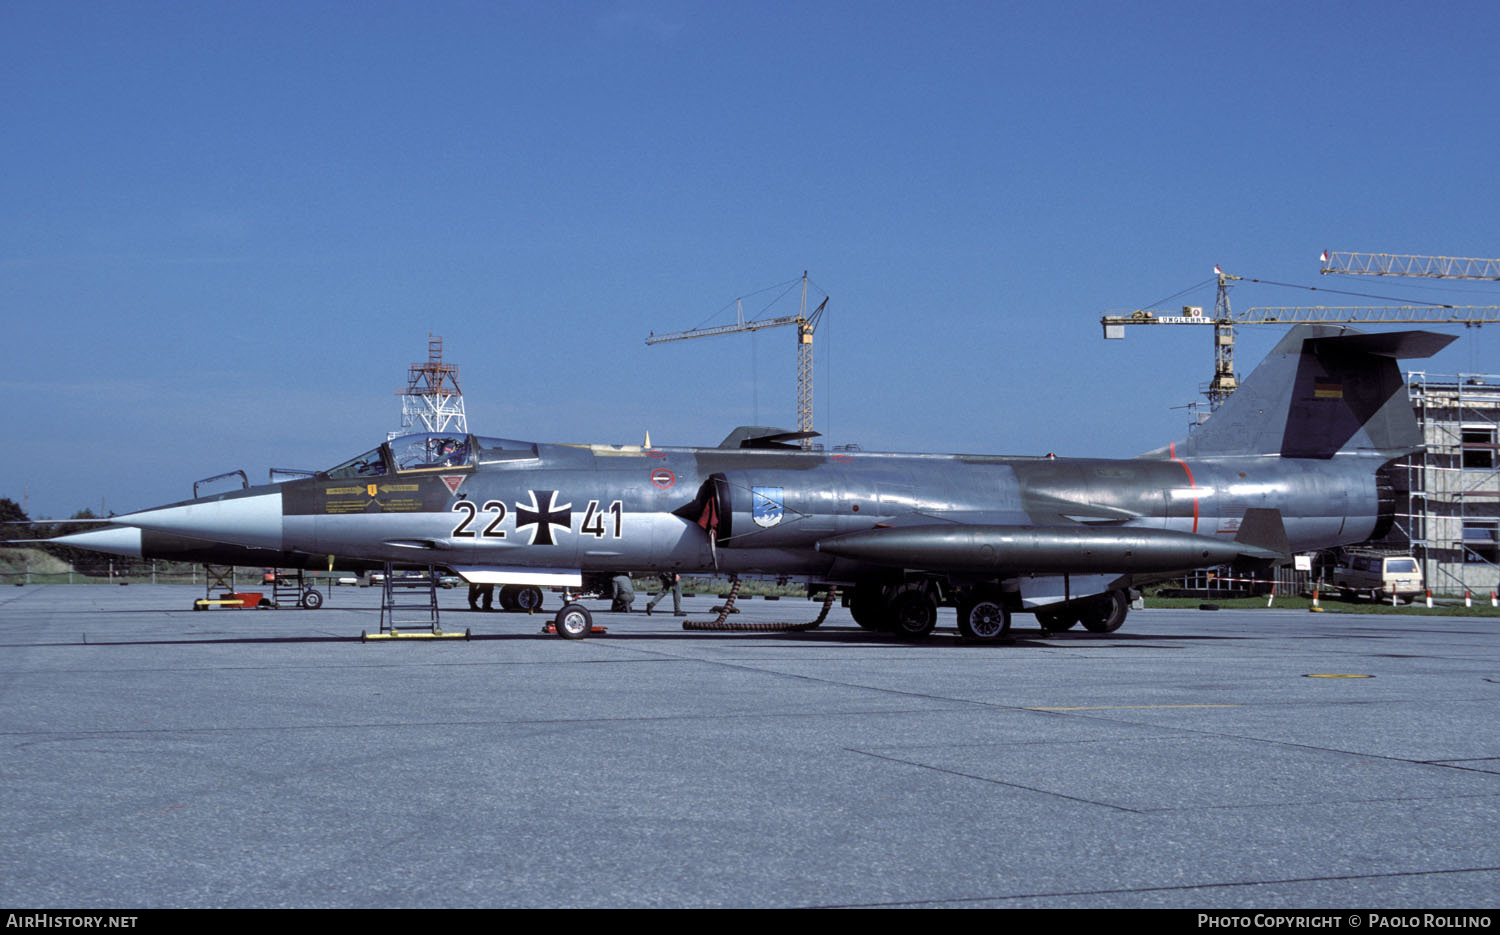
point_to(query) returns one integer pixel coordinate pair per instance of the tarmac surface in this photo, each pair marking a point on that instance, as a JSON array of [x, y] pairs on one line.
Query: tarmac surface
[[158, 757]]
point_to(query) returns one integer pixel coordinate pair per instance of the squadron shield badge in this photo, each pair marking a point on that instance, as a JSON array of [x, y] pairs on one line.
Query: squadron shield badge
[[765, 506]]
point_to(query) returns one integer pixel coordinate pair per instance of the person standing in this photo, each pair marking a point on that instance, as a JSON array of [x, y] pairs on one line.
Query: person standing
[[669, 582], [486, 592]]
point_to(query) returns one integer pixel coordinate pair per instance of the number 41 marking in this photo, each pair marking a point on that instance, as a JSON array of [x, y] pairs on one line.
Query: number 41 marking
[[593, 519]]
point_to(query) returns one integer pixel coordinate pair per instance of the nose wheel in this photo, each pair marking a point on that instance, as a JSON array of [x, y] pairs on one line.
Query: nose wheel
[[573, 622]]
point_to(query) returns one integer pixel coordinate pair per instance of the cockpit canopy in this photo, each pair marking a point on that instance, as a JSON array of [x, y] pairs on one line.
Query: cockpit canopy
[[431, 451]]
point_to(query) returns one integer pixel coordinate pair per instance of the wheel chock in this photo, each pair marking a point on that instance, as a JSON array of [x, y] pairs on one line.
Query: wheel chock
[[550, 629]]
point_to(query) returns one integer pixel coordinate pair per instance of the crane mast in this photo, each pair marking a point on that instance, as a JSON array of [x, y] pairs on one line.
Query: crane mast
[[805, 324]]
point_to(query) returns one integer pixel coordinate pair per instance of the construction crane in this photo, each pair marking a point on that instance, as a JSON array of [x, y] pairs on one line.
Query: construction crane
[[1224, 382], [1394, 264], [805, 325], [1224, 321]]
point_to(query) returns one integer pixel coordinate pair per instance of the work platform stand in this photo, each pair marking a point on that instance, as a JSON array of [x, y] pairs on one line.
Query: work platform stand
[[286, 587], [219, 590], [409, 608], [289, 588], [218, 578]]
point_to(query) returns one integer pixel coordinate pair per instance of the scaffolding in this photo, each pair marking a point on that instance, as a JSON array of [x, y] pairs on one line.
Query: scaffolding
[[1449, 513], [431, 400]]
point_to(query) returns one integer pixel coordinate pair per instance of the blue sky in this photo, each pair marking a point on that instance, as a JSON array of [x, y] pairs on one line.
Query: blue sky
[[227, 228]]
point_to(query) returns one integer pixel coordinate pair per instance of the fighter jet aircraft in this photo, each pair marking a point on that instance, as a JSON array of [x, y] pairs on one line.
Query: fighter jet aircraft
[[1297, 459]]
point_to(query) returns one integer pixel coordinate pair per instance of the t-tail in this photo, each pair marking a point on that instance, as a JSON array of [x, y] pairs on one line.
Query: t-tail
[[1324, 390]]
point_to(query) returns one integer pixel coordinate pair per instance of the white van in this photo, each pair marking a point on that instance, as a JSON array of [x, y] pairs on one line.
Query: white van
[[1378, 576]]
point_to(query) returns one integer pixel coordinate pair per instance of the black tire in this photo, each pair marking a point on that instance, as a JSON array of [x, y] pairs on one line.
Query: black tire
[[508, 597], [912, 612], [312, 599], [573, 622], [983, 618], [1057, 621], [527, 598], [1105, 613], [867, 607]]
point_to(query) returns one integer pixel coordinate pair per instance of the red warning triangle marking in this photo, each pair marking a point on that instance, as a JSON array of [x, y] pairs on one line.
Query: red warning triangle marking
[[452, 482]]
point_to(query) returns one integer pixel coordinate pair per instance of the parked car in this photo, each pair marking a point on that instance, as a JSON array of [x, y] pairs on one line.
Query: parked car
[[1378, 576]]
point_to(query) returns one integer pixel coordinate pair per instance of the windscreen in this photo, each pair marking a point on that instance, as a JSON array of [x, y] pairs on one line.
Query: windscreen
[[369, 464]]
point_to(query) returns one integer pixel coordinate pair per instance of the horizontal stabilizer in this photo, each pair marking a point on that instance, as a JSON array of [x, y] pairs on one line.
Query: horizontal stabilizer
[[1398, 345]]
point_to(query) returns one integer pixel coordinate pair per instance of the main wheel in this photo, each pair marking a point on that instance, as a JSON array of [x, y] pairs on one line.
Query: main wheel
[[508, 597], [1105, 613], [312, 599], [527, 598], [867, 607], [1057, 621], [573, 622], [912, 612], [983, 618]]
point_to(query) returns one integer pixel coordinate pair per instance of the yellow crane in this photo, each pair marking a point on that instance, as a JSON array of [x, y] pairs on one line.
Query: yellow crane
[[805, 325], [1224, 320]]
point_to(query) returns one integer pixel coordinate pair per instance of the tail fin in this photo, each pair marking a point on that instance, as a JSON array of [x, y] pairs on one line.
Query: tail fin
[[1323, 389]]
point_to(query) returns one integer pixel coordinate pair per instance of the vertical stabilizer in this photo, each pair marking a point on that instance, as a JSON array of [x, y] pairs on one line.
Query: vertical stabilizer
[[1324, 389]]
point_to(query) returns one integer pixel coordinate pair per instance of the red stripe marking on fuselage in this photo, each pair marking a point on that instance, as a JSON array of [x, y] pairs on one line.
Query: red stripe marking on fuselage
[[1172, 453]]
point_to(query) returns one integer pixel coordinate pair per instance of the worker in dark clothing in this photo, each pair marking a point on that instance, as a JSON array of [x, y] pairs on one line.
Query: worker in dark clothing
[[622, 594], [482, 591], [669, 582]]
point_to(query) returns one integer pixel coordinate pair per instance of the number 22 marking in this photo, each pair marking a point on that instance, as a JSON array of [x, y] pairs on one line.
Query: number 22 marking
[[490, 531]]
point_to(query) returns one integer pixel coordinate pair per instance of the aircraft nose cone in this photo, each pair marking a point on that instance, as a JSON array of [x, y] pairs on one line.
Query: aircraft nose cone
[[115, 540], [253, 521]]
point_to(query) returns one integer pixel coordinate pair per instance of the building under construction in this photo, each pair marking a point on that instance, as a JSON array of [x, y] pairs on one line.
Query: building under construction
[[1448, 496]]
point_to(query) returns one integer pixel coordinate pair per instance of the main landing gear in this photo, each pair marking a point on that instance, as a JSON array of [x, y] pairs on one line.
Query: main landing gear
[[1102, 613], [909, 610], [523, 597]]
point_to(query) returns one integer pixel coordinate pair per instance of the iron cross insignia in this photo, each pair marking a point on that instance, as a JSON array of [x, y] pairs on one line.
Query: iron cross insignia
[[542, 517]]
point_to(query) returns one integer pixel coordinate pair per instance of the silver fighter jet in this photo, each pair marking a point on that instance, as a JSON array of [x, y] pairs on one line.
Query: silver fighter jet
[[1296, 460]]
